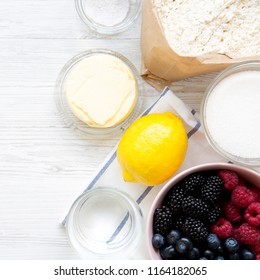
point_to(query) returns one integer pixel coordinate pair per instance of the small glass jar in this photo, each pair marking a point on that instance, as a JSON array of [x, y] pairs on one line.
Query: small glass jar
[[73, 121], [105, 223], [223, 101], [108, 16]]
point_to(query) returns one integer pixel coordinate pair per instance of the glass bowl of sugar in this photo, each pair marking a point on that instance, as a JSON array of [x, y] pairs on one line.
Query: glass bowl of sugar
[[108, 17], [230, 113]]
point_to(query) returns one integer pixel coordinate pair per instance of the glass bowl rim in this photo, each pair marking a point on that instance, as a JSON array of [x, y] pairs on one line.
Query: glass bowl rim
[[73, 121], [129, 204], [107, 30]]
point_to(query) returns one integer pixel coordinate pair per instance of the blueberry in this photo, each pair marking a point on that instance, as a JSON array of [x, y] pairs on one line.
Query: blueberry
[[213, 241], [203, 258], [209, 254], [184, 246], [246, 254], [173, 237], [219, 258], [168, 253], [219, 250], [231, 245], [194, 254], [234, 256], [158, 241]]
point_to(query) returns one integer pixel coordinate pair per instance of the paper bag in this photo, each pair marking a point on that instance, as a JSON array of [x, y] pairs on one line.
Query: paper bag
[[161, 65]]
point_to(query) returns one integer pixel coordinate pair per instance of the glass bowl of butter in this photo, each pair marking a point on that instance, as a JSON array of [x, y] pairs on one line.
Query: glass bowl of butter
[[98, 91]]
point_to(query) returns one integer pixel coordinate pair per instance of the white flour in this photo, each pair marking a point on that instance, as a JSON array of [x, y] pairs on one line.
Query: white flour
[[196, 27], [107, 12]]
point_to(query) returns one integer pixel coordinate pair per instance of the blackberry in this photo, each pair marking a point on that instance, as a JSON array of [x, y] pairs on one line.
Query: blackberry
[[214, 214], [195, 208], [174, 199], [178, 222], [162, 220], [193, 183], [211, 190], [195, 230]]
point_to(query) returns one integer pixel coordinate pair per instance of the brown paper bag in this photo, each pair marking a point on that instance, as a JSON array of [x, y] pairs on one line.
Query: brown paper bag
[[161, 65]]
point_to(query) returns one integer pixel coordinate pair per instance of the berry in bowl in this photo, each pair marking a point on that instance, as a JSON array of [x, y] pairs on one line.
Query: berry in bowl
[[208, 212]]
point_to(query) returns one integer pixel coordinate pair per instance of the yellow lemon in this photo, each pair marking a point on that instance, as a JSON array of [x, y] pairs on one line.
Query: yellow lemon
[[152, 149]]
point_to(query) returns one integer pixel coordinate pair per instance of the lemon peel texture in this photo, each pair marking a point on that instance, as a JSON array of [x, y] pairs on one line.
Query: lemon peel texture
[[152, 149]]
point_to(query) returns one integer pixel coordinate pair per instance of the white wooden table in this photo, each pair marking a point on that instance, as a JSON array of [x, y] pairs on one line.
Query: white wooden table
[[44, 165]]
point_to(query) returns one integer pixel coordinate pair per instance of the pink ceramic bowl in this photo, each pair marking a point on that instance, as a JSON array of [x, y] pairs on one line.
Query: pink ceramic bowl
[[249, 175]]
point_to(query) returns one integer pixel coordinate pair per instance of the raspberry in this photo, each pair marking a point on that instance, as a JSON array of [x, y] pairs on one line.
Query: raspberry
[[252, 214], [248, 235], [255, 248], [223, 228], [256, 193], [257, 257], [241, 181], [229, 178], [231, 212], [242, 197], [236, 233]]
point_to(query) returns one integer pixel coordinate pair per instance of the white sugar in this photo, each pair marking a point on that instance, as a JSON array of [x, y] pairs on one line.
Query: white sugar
[[233, 114], [107, 12]]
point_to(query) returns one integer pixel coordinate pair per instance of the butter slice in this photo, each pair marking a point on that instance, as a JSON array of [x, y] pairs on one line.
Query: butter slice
[[101, 90]]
